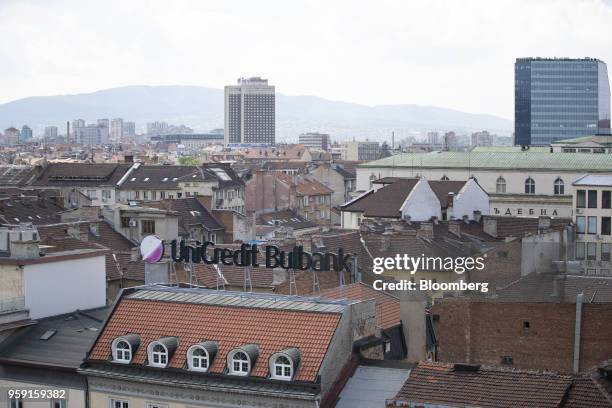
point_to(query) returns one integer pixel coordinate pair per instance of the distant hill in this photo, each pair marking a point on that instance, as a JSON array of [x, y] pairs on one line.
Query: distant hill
[[202, 109]]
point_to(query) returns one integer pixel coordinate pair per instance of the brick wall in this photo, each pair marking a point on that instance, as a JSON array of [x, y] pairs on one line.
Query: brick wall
[[484, 332]]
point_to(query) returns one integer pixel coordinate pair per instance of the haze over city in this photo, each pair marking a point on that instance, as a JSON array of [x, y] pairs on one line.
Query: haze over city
[[450, 54]]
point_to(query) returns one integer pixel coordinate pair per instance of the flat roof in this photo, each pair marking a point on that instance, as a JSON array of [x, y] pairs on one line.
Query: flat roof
[[598, 180]]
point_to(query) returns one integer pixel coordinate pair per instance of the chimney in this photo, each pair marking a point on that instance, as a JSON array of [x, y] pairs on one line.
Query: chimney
[[425, 230], [412, 316], [385, 241], [454, 227], [543, 223], [477, 215], [466, 219], [434, 219], [489, 226], [450, 198]]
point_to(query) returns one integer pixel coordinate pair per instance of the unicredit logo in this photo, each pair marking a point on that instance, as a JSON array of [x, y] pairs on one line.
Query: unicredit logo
[[247, 255]]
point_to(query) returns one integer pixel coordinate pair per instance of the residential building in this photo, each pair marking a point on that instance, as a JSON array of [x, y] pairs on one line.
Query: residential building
[[314, 201], [250, 110], [190, 141], [50, 133], [11, 136], [341, 181], [271, 225], [116, 129], [433, 138], [313, 140], [597, 143], [136, 222], [527, 182], [46, 355], [542, 321], [104, 126], [468, 385], [26, 133], [100, 183], [77, 125], [93, 134], [559, 98], [483, 138], [417, 199], [129, 129], [260, 350], [361, 151], [593, 211]]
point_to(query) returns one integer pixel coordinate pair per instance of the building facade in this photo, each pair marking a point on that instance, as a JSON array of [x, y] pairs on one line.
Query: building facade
[[26, 133], [250, 112], [559, 99], [319, 141]]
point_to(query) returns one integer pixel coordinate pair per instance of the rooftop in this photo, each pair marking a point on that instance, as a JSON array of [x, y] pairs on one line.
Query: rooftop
[[481, 160], [594, 180]]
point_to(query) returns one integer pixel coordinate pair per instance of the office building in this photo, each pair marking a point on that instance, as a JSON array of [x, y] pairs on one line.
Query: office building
[[319, 141], [26, 133], [77, 125], [116, 129], [361, 150], [11, 136], [483, 138], [558, 99], [129, 129], [250, 112], [51, 133]]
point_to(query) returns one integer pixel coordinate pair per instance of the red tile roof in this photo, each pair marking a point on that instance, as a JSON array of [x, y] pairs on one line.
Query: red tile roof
[[273, 330], [387, 305], [312, 187], [441, 384]]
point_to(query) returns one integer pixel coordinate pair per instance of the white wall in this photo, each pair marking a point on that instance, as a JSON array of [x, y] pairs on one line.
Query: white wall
[[471, 198], [53, 288], [422, 203]]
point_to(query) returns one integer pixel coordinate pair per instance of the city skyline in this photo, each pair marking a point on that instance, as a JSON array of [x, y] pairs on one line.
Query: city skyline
[[407, 49]]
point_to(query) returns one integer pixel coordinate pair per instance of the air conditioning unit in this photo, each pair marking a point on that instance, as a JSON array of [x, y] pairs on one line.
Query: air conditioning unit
[[133, 223]]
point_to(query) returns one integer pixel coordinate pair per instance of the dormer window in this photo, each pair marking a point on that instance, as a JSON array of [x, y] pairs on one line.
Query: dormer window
[[282, 368], [123, 352], [123, 348], [284, 364], [200, 356], [160, 351], [240, 364], [159, 355]]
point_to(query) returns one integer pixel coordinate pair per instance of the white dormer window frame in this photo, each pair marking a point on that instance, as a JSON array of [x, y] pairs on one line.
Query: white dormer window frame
[[281, 367], [122, 351], [158, 354], [198, 359], [239, 363]]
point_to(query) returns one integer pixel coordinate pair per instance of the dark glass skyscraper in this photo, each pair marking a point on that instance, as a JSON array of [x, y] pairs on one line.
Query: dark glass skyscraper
[[559, 98]]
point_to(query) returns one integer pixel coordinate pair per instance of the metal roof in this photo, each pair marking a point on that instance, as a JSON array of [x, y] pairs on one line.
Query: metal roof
[[369, 387], [523, 160], [240, 299], [594, 180]]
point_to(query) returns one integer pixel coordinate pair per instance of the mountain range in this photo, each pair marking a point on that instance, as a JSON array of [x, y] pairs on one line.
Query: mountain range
[[202, 109]]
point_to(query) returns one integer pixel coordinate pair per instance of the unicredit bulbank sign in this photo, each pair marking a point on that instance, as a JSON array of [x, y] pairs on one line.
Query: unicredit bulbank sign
[[151, 249]]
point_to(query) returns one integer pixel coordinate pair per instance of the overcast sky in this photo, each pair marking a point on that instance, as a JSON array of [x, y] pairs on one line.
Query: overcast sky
[[457, 54]]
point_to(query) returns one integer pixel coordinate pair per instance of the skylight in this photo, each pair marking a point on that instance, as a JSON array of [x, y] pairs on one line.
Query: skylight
[[146, 179], [48, 334], [133, 179]]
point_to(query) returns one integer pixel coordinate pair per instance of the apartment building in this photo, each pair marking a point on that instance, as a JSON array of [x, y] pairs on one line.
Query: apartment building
[[593, 219]]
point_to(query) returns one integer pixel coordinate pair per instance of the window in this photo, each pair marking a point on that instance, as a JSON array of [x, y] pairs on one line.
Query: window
[[125, 222], [122, 351], [606, 199], [580, 225], [156, 405], [16, 403], [282, 368], [591, 225], [591, 251], [158, 355], [58, 403], [529, 186], [145, 195], [580, 251], [162, 194], [559, 187], [605, 226], [137, 194], [239, 363], [92, 194], [115, 403], [605, 252], [106, 194], [148, 226], [198, 359], [500, 185], [581, 199], [153, 195], [526, 325], [592, 199]]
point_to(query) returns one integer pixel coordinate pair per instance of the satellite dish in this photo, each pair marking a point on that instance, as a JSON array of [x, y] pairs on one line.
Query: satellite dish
[[152, 249]]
